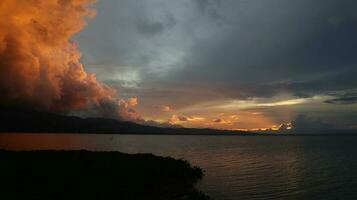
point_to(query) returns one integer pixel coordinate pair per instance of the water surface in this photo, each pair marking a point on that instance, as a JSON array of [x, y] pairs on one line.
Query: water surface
[[252, 167]]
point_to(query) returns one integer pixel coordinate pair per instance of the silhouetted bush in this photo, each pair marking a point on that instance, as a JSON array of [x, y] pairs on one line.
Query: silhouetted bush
[[58, 175]]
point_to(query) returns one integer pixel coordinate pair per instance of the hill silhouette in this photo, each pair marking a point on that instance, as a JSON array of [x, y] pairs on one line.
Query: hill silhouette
[[25, 120]]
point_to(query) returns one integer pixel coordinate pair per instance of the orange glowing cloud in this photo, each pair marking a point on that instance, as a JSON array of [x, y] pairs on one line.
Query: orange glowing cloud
[[220, 121], [40, 65], [183, 118], [166, 108], [245, 120], [225, 120], [133, 101]]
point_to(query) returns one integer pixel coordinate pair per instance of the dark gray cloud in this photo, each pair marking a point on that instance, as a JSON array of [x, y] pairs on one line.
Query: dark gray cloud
[[287, 41], [202, 4], [343, 100], [192, 51], [304, 124], [151, 28]]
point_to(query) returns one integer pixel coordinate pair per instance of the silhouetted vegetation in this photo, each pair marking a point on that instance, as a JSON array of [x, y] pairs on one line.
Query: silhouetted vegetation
[[59, 175]]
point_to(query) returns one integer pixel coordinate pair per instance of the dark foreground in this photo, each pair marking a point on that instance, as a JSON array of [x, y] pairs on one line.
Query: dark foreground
[[58, 175]]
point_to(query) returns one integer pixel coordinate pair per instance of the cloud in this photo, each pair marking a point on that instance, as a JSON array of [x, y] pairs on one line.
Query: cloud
[[304, 124], [160, 124], [40, 64], [258, 52], [255, 103], [151, 28], [113, 108], [343, 100], [217, 120], [182, 118], [231, 119], [133, 101], [166, 108], [221, 121], [195, 52], [278, 51]]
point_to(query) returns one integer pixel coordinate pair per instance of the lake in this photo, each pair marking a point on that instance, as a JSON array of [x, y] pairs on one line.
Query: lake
[[236, 167]]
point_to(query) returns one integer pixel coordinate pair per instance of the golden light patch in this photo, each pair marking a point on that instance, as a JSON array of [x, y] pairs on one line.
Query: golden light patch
[[166, 108]]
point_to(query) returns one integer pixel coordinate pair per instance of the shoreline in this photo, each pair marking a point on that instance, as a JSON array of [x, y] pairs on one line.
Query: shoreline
[[188, 134]]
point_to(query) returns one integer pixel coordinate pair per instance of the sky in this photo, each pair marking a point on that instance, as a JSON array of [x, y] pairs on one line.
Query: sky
[[232, 64]]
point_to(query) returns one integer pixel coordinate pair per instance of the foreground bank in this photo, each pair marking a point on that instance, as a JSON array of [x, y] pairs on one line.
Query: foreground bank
[[96, 175]]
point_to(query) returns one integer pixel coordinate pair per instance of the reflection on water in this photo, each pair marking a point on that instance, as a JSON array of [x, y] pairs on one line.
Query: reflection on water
[[236, 167]]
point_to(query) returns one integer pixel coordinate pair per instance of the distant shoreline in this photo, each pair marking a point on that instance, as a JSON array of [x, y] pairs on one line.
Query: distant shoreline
[[188, 134], [29, 121]]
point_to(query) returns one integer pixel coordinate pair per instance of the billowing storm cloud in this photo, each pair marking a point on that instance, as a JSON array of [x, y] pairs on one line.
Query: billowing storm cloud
[[40, 63]]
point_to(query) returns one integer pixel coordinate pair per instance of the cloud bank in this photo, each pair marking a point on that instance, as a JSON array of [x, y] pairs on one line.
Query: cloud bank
[[40, 66]]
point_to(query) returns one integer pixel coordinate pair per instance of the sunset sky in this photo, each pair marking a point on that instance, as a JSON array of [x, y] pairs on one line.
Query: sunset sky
[[233, 64]]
